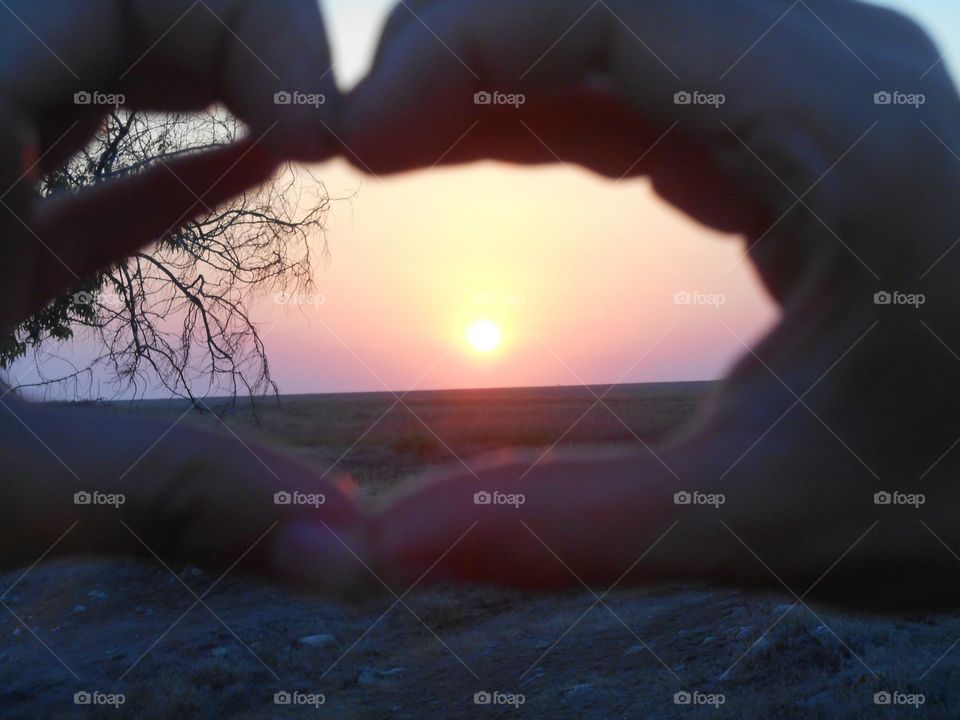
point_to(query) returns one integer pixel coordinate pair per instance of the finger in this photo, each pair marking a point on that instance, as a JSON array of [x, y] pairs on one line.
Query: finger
[[180, 55], [19, 160], [419, 98], [79, 234], [185, 494], [718, 507], [528, 524], [682, 171]]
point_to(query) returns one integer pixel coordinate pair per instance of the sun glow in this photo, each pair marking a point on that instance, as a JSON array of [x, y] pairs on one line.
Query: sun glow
[[484, 336]]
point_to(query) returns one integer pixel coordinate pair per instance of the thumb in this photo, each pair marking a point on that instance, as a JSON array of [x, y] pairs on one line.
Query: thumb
[[157, 488]]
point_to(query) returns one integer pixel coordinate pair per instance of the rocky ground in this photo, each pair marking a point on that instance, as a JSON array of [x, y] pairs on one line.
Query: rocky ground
[[132, 627]]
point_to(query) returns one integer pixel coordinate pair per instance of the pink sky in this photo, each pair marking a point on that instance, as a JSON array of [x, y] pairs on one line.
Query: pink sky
[[581, 276]]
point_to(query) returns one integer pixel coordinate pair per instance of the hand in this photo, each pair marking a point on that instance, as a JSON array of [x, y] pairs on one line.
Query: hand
[[839, 198], [190, 496]]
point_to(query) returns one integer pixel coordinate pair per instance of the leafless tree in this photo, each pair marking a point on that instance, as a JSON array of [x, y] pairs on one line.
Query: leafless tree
[[176, 316]]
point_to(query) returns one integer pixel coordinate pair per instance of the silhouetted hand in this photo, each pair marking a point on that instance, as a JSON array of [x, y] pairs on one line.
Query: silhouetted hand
[[826, 133], [188, 496]]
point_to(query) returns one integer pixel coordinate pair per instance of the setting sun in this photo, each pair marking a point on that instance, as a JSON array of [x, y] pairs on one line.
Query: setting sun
[[484, 336]]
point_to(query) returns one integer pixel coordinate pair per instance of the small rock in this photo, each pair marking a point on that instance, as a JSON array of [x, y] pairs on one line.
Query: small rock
[[79, 609], [369, 676], [633, 650], [745, 632], [784, 609], [97, 594], [219, 652], [708, 639], [762, 645], [317, 640], [580, 688], [17, 632]]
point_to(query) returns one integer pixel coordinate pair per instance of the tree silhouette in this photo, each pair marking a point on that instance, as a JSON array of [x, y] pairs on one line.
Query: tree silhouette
[[177, 315]]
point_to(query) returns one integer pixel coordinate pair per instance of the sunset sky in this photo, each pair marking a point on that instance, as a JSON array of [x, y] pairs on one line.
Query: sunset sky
[[579, 275]]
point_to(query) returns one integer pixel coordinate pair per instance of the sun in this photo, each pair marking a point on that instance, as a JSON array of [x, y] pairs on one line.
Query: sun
[[484, 336]]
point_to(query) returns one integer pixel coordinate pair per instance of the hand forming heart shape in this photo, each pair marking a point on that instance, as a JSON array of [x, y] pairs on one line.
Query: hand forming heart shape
[[798, 125]]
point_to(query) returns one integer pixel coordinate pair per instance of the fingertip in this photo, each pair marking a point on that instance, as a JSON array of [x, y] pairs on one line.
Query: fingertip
[[318, 558], [414, 105], [298, 121], [282, 82]]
